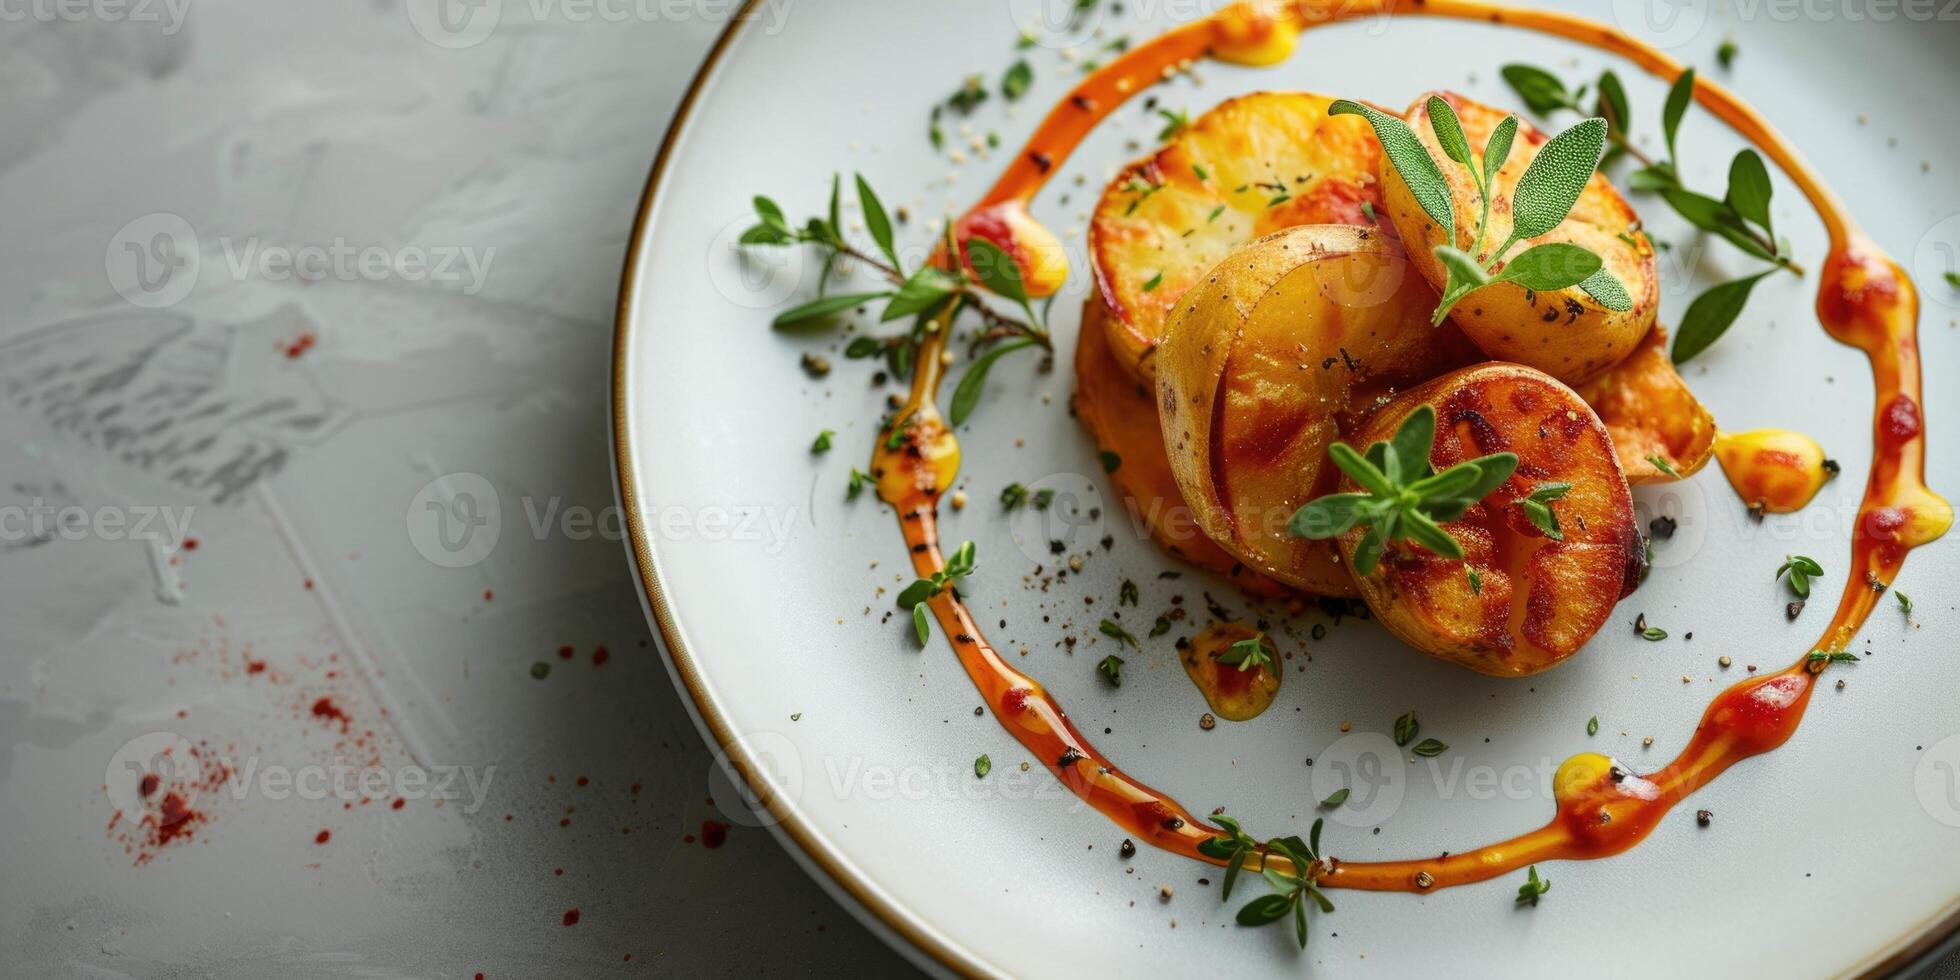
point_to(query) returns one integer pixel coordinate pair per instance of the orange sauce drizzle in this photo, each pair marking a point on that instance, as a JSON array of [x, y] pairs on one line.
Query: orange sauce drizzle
[[1864, 300]]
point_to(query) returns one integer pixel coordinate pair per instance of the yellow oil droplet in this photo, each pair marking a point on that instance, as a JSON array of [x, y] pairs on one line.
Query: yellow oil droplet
[[1254, 33], [1778, 469], [1579, 773], [1236, 695]]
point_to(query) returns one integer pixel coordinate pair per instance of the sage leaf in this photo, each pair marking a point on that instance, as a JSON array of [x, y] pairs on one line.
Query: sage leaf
[[1710, 315], [1551, 266], [1497, 149], [1607, 291], [1678, 97], [1541, 90], [923, 291], [1749, 189], [1556, 176], [1410, 159], [1448, 129]]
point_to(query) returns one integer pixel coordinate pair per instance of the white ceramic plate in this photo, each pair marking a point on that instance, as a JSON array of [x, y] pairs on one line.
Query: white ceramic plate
[[1836, 854]]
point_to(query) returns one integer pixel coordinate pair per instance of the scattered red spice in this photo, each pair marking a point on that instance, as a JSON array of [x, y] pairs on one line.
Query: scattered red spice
[[560, 872], [330, 712], [566, 822], [571, 917], [308, 584], [322, 837], [254, 666], [398, 804], [190, 544], [583, 781], [488, 595], [687, 838], [174, 820], [300, 345], [714, 833], [634, 789], [600, 656], [565, 652], [149, 785]]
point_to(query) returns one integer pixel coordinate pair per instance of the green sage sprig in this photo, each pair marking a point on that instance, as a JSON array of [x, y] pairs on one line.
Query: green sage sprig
[[1740, 218], [913, 597], [1540, 202], [1403, 498]]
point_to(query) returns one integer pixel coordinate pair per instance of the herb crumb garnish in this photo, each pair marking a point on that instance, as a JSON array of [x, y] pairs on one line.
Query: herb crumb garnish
[[1110, 629], [1800, 569], [822, 443], [1252, 653], [1660, 463], [1430, 748], [1592, 725], [1111, 668], [1153, 282], [540, 670], [1533, 888], [1126, 594], [1335, 799], [1015, 83], [1405, 728]]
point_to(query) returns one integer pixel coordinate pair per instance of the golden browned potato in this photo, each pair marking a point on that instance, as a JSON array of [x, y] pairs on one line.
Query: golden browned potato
[[1249, 167], [1567, 334], [1534, 600], [1121, 414], [1268, 360], [1652, 414]]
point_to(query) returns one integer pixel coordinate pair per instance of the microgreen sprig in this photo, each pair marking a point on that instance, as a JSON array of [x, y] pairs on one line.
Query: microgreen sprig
[[1543, 197], [1291, 892], [1740, 218], [1533, 888], [1801, 569], [1538, 508], [1248, 654], [1403, 498], [959, 565]]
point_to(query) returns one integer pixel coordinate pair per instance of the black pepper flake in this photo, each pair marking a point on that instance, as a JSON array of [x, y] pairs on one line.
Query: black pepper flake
[[1173, 823], [1069, 757], [1704, 817], [1129, 848], [979, 710], [921, 546], [1794, 609], [1041, 161], [963, 638], [1057, 547], [1663, 527], [1082, 102]]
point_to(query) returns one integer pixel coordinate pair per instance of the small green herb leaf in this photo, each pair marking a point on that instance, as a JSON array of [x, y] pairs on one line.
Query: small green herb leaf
[[1109, 628], [1430, 748], [1335, 798], [1405, 728], [1497, 149], [1015, 83], [1678, 98], [822, 444], [1111, 668], [920, 625], [924, 290], [1533, 887], [1541, 90], [1449, 130], [1249, 654], [1711, 315], [1592, 725], [824, 306], [876, 221], [982, 766], [1551, 266], [967, 395], [1749, 189]]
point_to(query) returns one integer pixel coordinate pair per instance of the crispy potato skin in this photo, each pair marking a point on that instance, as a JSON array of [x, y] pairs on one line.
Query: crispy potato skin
[[1540, 599], [1650, 412], [1272, 357], [1565, 334], [1121, 414], [1251, 151]]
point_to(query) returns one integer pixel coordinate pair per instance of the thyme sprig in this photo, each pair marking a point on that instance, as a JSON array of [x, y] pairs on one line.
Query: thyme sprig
[[923, 293], [1403, 498], [1740, 218], [1291, 891]]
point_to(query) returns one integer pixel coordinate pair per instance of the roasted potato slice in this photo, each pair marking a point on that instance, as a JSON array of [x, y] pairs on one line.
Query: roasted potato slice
[[1534, 600], [1121, 414], [1267, 361], [1249, 167], [1652, 414], [1567, 334]]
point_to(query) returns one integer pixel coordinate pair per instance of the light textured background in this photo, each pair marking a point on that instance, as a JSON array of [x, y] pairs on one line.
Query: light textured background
[[287, 123]]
